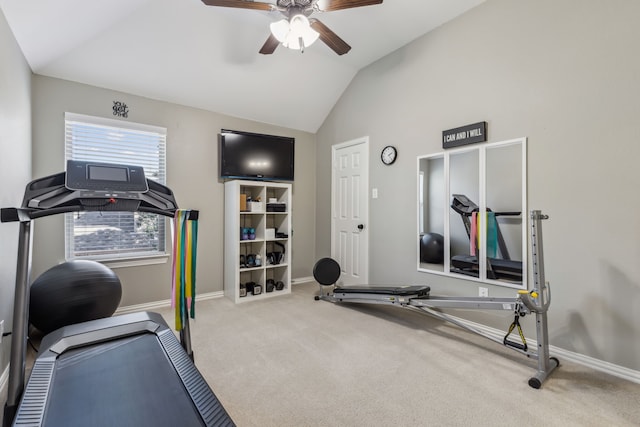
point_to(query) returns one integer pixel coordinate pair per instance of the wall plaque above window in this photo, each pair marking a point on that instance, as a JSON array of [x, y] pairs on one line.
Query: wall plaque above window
[[469, 134], [120, 109]]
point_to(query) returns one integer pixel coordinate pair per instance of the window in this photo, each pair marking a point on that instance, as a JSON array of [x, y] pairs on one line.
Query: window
[[115, 235]]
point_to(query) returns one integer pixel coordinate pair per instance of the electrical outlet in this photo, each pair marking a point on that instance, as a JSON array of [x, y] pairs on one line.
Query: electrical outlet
[[483, 292], [374, 193]]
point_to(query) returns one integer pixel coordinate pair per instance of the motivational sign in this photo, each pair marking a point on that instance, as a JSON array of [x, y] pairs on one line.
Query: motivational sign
[[120, 109], [469, 134]]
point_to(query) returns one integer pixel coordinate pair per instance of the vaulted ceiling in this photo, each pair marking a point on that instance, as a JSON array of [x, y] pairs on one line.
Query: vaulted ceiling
[[185, 52]]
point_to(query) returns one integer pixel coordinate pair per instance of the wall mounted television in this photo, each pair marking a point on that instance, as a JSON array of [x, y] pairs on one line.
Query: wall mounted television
[[246, 155]]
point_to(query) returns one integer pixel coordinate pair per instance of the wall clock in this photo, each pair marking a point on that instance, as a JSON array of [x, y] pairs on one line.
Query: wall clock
[[389, 154]]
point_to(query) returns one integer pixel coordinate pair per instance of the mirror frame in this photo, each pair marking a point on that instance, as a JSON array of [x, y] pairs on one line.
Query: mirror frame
[[482, 183]]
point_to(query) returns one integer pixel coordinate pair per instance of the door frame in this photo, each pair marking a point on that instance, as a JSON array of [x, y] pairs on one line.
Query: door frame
[[364, 141]]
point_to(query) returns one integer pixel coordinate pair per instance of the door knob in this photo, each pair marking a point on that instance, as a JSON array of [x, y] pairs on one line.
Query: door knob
[[360, 227]]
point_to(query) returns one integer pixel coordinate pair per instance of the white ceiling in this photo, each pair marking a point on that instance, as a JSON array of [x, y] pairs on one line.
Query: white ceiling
[[184, 52]]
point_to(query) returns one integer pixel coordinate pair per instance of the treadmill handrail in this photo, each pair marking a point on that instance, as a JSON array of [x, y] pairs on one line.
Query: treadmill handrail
[[158, 199], [460, 200], [28, 214]]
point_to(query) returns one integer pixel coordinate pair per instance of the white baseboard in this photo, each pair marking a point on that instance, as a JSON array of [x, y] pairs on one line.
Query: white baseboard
[[301, 280], [154, 305], [598, 365], [149, 306], [562, 354]]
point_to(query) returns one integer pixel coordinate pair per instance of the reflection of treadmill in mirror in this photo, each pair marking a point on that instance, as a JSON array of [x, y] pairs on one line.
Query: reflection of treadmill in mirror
[[497, 268]]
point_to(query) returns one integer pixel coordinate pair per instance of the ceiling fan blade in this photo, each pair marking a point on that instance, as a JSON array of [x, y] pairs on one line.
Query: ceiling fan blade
[[242, 4], [346, 4], [330, 38], [270, 45]]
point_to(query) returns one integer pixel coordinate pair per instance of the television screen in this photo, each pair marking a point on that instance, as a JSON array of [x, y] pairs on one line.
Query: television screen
[[256, 156]]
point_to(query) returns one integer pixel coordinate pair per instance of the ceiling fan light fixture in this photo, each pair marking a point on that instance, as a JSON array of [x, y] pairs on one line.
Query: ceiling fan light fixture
[[280, 29], [296, 33]]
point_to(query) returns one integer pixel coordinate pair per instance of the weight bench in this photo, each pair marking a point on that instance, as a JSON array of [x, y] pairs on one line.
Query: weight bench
[[392, 295], [327, 273]]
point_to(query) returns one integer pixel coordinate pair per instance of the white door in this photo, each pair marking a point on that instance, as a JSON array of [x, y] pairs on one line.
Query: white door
[[350, 210]]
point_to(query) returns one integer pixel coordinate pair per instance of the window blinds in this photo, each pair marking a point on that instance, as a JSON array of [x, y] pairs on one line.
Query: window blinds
[[115, 235]]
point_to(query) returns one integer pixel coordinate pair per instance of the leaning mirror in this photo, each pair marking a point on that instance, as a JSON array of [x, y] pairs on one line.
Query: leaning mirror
[[505, 243], [432, 199], [464, 195], [472, 213]]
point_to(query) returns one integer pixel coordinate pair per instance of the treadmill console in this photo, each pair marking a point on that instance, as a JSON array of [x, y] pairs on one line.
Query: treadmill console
[[94, 179], [463, 205]]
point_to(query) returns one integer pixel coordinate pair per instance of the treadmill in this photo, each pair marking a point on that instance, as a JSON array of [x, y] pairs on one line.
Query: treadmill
[[127, 370], [497, 268]]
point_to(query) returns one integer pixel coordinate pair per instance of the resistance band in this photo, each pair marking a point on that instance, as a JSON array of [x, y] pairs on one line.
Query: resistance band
[[492, 234], [473, 238], [185, 248]]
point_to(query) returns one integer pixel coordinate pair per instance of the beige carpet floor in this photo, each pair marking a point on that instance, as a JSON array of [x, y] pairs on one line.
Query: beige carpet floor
[[293, 361]]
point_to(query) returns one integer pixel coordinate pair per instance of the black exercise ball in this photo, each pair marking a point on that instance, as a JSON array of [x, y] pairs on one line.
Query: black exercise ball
[[73, 292], [432, 248]]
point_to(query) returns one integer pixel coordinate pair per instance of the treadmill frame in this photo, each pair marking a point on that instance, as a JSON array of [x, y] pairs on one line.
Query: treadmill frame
[[49, 196]]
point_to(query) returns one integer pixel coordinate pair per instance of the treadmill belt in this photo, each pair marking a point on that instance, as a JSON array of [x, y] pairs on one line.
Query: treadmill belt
[[137, 380]]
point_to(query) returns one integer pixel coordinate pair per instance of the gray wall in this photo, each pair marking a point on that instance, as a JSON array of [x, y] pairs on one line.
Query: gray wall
[[192, 170], [565, 75], [15, 163]]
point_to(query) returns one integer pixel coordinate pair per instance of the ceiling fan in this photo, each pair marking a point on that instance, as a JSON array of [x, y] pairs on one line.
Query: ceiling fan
[[297, 31]]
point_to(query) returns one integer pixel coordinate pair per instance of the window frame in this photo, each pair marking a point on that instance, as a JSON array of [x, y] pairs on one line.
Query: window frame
[[82, 150]]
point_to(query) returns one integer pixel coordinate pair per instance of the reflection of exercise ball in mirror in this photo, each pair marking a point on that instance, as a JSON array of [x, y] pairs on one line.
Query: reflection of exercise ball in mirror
[[432, 248]]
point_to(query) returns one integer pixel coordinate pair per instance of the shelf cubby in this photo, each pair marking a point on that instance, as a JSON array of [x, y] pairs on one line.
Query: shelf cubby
[[251, 255]]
